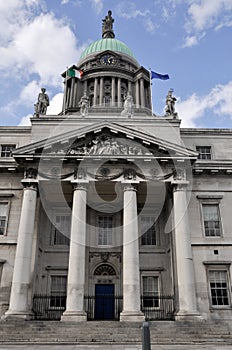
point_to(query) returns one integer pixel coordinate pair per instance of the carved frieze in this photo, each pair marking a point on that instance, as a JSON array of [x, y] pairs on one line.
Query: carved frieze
[[106, 145]]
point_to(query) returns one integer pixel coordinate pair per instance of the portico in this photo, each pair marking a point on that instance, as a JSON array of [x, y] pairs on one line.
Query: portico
[[109, 194]]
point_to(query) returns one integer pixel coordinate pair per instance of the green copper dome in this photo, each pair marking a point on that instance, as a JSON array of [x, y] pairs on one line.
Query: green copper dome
[[107, 44]]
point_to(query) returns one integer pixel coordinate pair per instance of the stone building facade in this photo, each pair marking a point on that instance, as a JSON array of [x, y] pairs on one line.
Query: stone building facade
[[108, 211]]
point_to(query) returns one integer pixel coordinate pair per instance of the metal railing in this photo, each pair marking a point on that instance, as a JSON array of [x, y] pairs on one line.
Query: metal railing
[[47, 307], [158, 307]]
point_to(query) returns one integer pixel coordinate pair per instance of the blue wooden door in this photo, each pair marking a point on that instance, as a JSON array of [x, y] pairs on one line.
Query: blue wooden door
[[104, 301]]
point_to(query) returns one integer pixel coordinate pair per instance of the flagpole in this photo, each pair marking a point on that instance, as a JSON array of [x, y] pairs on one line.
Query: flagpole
[[151, 91]]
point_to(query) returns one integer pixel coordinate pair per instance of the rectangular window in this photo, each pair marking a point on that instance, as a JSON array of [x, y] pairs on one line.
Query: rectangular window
[[3, 217], [62, 228], [204, 152], [6, 150], [148, 230], [105, 228], [150, 291], [58, 291], [219, 289], [211, 220]]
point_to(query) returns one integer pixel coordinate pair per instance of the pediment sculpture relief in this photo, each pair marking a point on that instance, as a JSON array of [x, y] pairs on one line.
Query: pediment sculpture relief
[[109, 146]]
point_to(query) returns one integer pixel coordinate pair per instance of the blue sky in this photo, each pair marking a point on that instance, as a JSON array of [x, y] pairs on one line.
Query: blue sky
[[188, 39]]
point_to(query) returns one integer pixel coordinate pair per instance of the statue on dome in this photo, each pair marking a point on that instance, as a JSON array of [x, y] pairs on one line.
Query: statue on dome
[[42, 103], [107, 26], [128, 105], [84, 104], [170, 104]]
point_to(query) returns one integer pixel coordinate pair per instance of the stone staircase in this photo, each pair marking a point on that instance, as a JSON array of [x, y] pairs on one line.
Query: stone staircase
[[105, 332]]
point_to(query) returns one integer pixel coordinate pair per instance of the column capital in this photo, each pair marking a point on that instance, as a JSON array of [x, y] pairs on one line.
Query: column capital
[[31, 184], [179, 185], [30, 179], [80, 185], [129, 186]]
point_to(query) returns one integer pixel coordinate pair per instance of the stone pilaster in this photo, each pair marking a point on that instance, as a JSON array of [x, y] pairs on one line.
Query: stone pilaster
[[184, 260], [137, 100], [142, 95], [119, 92], [131, 274], [20, 302], [95, 91], [113, 91], [101, 91], [76, 271]]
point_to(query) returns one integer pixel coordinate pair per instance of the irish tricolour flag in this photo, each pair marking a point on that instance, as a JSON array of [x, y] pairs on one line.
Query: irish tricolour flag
[[75, 73]]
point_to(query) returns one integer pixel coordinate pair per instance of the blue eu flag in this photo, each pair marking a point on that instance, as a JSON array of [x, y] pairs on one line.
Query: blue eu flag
[[155, 75]]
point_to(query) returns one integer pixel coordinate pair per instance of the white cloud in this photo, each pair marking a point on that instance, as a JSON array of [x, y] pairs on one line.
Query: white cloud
[[36, 48], [149, 25], [63, 2], [97, 5], [56, 104], [25, 121], [190, 41], [128, 10], [203, 15], [218, 100], [29, 93]]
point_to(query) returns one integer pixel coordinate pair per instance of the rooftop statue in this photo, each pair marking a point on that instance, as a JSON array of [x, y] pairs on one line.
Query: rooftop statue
[[42, 103], [107, 26], [84, 104], [128, 105], [170, 104]]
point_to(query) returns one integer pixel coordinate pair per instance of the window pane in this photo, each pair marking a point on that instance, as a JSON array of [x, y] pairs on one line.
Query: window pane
[[150, 291], [148, 230], [211, 219], [62, 230], [3, 212], [219, 287], [58, 291], [6, 150], [105, 227], [58, 284], [204, 152]]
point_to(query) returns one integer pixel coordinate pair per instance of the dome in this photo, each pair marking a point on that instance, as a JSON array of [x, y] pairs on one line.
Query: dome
[[107, 44]]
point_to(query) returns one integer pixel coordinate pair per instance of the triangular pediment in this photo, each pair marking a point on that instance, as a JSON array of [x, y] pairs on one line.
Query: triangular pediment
[[103, 140]]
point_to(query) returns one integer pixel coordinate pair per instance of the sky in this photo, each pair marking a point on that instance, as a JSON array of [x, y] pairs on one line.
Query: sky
[[191, 40]]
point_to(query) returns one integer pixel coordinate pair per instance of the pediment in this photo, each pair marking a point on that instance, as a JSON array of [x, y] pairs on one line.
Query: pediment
[[104, 140]]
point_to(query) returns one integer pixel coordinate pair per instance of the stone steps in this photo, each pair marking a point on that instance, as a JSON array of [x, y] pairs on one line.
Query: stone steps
[[52, 332]]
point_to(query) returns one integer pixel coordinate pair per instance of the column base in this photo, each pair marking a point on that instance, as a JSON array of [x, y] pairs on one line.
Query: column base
[[188, 316], [132, 316], [17, 315], [74, 316]]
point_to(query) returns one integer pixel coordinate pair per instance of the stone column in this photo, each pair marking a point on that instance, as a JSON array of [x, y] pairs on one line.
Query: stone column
[[101, 91], [184, 260], [95, 91], [142, 94], [131, 274], [76, 271], [113, 91], [20, 302], [119, 93], [72, 92], [137, 94]]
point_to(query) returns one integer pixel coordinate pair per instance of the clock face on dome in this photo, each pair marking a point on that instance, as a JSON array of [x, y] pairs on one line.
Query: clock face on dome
[[108, 60]]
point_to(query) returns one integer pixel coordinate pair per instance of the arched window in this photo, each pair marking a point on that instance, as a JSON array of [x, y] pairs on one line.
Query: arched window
[[105, 270]]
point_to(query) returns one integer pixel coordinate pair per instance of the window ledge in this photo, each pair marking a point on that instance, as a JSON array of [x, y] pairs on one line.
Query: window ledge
[[220, 308], [221, 262], [205, 196]]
